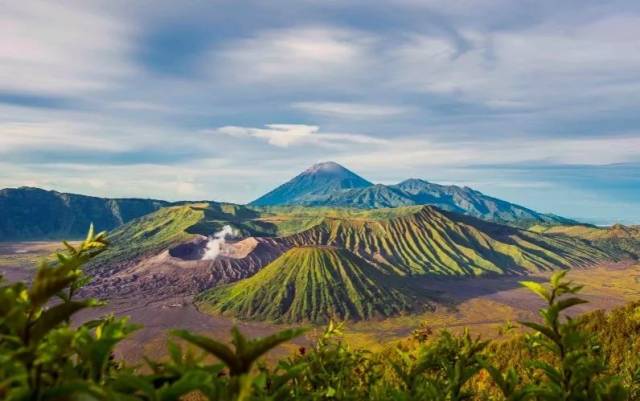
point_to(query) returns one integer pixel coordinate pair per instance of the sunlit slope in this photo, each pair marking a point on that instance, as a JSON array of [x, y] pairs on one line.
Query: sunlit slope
[[621, 240], [313, 284], [150, 234], [169, 226], [433, 241]]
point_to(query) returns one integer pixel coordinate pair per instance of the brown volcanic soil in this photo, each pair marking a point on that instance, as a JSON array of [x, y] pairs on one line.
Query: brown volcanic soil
[[18, 259], [159, 316], [159, 304], [180, 271], [484, 304]]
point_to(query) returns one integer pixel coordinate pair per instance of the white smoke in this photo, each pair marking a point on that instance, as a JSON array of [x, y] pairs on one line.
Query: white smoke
[[216, 242]]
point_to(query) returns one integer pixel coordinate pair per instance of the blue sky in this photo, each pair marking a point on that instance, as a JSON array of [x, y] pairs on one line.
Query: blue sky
[[532, 101]]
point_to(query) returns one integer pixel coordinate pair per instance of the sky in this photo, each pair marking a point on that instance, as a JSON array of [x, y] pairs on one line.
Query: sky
[[536, 102]]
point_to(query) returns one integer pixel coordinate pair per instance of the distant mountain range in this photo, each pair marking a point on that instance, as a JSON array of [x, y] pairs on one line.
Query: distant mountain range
[[330, 184], [36, 214]]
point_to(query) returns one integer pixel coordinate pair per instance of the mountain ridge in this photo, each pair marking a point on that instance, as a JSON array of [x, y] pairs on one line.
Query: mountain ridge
[[413, 191], [29, 213]]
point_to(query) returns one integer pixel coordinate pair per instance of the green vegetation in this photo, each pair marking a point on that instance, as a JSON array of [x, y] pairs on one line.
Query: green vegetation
[[44, 357], [408, 240], [356, 265], [619, 240], [28, 214], [430, 241], [314, 284], [151, 234]]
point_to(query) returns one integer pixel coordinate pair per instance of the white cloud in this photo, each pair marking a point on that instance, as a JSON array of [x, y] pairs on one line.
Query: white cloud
[[352, 110], [546, 66], [285, 135], [54, 134], [410, 153], [59, 48], [305, 55]]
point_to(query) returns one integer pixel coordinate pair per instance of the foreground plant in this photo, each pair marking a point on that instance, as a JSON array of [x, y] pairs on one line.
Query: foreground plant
[[44, 357], [568, 366]]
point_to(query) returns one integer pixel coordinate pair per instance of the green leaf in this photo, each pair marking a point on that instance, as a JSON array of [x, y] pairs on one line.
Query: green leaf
[[556, 277], [189, 382], [569, 302], [89, 237], [215, 348], [48, 282], [257, 348], [537, 288], [541, 329], [53, 316], [130, 383]]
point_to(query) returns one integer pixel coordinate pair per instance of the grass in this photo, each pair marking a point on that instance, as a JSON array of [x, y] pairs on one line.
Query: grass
[[151, 234], [429, 241], [622, 241], [313, 284]]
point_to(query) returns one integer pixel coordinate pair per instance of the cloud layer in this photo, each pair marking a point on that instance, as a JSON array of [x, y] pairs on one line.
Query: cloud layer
[[222, 101]]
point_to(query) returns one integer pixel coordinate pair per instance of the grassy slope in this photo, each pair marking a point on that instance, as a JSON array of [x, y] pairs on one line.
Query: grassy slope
[[312, 284], [289, 220], [410, 240], [432, 241], [623, 241], [170, 226], [150, 234]]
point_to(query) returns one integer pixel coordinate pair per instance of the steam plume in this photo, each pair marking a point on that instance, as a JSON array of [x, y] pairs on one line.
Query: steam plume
[[216, 241]]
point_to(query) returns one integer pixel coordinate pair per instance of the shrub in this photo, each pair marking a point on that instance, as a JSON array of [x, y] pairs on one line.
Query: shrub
[[44, 357]]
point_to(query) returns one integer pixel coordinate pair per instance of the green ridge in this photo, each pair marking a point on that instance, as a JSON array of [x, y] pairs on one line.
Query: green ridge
[[28, 214], [620, 240], [169, 226], [151, 234], [313, 284], [436, 242]]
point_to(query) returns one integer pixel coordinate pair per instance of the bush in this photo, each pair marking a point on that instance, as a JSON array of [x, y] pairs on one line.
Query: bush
[[43, 357]]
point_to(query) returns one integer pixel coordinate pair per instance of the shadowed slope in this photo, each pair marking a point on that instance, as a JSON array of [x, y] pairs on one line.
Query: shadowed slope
[[313, 284], [36, 214]]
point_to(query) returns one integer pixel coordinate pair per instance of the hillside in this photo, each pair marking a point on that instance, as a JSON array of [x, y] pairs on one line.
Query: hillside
[[35, 214], [173, 225], [313, 284], [331, 185], [617, 239], [398, 242], [437, 242]]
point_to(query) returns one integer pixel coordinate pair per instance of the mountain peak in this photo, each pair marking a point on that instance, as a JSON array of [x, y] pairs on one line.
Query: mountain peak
[[328, 167], [318, 181]]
